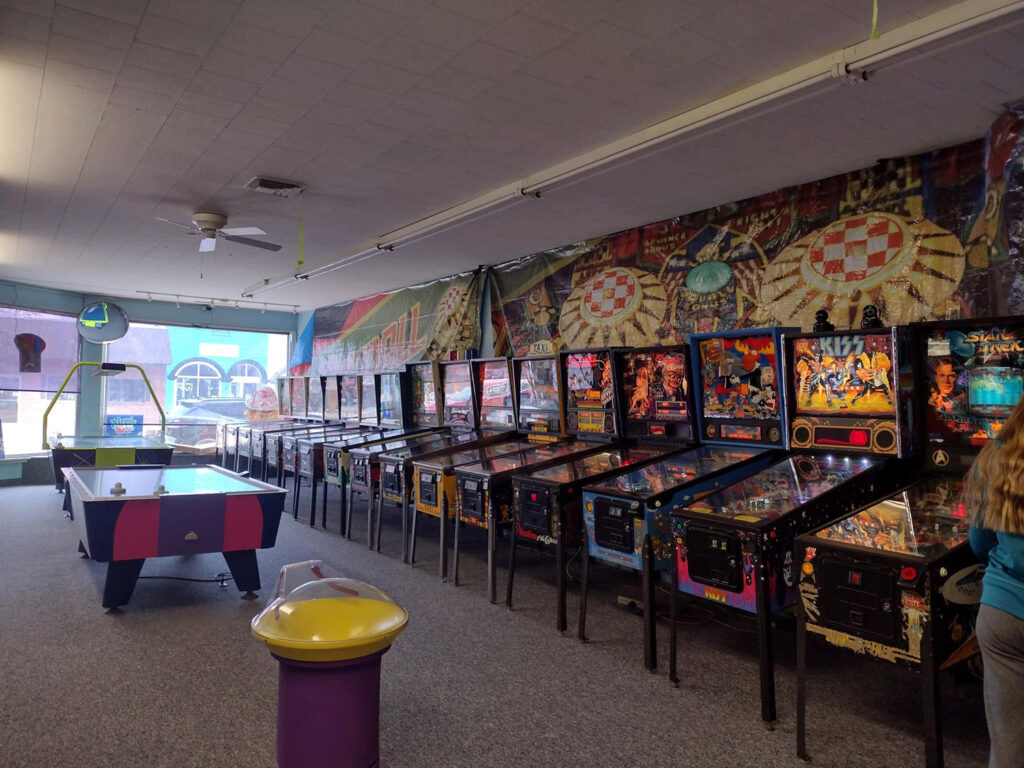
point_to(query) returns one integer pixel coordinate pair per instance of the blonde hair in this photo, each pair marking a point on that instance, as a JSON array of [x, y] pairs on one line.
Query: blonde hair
[[994, 489]]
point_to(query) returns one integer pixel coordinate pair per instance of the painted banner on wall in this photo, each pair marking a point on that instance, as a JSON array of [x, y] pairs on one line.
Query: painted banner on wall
[[920, 237], [381, 333]]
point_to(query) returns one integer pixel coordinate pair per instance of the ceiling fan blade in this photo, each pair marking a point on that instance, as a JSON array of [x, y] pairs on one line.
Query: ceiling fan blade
[[207, 244], [254, 243], [235, 231], [176, 223]]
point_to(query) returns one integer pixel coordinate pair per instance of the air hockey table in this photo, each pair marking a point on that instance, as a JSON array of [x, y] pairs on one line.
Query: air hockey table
[[125, 515], [105, 451]]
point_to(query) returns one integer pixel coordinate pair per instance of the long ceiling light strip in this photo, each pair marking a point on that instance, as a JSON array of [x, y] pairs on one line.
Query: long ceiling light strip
[[263, 306], [952, 25]]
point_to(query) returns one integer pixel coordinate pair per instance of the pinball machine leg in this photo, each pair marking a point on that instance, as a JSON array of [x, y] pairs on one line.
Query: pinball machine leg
[[443, 554], [280, 473], [673, 627], [370, 518], [296, 492], [380, 514], [649, 617], [510, 578], [323, 503], [581, 633], [413, 520], [561, 620], [931, 709], [351, 509], [455, 548], [492, 565], [238, 459], [801, 685], [313, 487], [766, 645], [404, 509], [342, 509]]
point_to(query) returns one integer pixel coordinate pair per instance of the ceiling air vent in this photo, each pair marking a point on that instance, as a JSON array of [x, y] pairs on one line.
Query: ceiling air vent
[[274, 187]]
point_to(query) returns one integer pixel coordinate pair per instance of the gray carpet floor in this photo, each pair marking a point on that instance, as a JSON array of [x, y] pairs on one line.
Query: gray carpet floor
[[176, 679]]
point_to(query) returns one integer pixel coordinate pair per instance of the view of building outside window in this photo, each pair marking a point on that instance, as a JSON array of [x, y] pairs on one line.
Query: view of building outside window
[[201, 377], [37, 351]]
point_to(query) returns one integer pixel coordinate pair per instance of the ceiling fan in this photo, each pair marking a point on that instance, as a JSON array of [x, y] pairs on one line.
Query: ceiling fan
[[212, 225]]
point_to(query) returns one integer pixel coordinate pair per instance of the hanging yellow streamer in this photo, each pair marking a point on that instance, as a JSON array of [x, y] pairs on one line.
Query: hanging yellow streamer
[[874, 22], [302, 241]]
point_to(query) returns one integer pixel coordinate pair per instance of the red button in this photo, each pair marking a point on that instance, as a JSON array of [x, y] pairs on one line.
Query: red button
[[858, 437], [909, 573], [533, 497], [854, 578]]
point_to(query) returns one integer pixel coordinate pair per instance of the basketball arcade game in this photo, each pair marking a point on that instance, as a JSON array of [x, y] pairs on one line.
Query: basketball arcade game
[[626, 515], [484, 490], [476, 392], [734, 547], [897, 580], [548, 504]]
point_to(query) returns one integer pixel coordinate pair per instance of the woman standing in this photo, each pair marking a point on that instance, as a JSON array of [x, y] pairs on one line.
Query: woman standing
[[994, 494]]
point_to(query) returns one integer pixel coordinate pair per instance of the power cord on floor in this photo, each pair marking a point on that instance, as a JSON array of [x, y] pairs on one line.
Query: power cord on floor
[[220, 578]]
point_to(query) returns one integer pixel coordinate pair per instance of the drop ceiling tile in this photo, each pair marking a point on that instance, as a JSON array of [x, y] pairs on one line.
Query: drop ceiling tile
[[338, 114], [368, 138], [404, 7], [359, 21], [153, 82], [293, 92], [355, 95], [525, 89], [526, 36], [125, 95], [87, 54], [605, 42], [651, 18], [412, 55], [209, 105], [291, 18], [24, 26], [213, 15], [457, 83], [223, 61], [429, 103], [336, 49], [559, 66], [22, 51], [403, 119], [222, 86], [68, 22], [70, 98], [257, 41], [569, 14], [176, 35], [312, 72], [261, 126], [441, 27], [162, 60], [384, 77], [38, 7]]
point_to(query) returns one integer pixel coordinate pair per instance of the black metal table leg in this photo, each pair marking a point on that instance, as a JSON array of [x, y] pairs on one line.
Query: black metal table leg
[[492, 546], [561, 619], [512, 546], [313, 484], [323, 504], [296, 492], [801, 685], [765, 641], [581, 633], [650, 640], [351, 510], [673, 625], [380, 510], [443, 555], [930, 709], [404, 508]]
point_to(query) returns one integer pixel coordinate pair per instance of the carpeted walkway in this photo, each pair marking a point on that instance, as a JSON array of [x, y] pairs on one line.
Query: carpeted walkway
[[177, 679]]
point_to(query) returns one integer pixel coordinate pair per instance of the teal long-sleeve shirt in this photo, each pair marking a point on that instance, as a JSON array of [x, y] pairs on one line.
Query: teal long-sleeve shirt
[[1003, 555]]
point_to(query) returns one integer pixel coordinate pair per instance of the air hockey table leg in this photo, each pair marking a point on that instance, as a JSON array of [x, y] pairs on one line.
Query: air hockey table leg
[[244, 570], [122, 575]]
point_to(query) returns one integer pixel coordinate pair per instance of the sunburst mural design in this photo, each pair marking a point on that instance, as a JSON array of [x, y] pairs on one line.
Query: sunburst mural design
[[618, 307], [906, 268]]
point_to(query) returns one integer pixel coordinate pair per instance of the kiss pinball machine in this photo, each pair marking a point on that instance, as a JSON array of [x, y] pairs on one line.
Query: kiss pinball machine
[[626, 515], [896, 580], [385, 409], [734, 547], [484, 489], [548, 504], [395, 467], [476, 392]]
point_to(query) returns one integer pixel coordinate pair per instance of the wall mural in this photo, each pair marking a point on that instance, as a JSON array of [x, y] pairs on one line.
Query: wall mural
[[922, 237], [381, 333]]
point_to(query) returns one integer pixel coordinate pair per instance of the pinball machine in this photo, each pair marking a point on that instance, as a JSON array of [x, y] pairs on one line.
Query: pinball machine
[[485, 495], [477, 397], [385, 404], [626, 515], [897, 580], [251, 444], [548, 506], [237, 434], [395, 467], [734, 547]]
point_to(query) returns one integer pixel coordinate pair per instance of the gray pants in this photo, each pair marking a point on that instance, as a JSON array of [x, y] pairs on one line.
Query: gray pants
[[1001, 637]]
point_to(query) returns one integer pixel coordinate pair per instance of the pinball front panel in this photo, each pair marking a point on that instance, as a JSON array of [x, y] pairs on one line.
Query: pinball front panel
[[656, 393]]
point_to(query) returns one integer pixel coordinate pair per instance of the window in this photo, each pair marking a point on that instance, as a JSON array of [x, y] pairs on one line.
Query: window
[[195, 380], [37, 350], [246, 377], [127, 390]]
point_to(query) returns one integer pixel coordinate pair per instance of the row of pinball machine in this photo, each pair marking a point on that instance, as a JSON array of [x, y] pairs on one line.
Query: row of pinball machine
[[766, 470]]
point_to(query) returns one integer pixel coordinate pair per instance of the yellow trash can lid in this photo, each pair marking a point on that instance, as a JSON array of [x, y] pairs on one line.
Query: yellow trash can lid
[[317, 618]]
